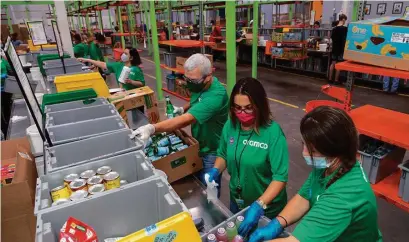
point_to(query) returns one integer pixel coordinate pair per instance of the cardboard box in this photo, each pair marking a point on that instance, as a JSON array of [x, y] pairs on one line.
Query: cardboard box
[[180, 62], [17, 198], [142, 98], [183, 163], [382, 42], [181, 88]]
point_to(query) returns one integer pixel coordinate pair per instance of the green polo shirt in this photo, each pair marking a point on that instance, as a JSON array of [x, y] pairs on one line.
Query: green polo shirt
[[95, 52], [346, 211], [136, 74], [81, 50], [261, 158], [210, 109]]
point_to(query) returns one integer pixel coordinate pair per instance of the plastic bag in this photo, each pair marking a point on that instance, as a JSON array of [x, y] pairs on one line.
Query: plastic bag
[[211, 189]]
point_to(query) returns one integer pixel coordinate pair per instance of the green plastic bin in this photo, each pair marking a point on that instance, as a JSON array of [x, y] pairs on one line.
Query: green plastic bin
[[70, 96], [42, 58]]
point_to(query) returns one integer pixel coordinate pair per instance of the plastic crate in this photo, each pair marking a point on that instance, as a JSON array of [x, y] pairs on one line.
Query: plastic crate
[[65, 133], [58, 69], [117, 213], [44, 57], [11, 85], [170, 82], [261, 223], [385, 161], [367, 147], [71, 100], [80, 114], [131, 167], [404, 182], [170, 59], [100, 147], [82, 81]]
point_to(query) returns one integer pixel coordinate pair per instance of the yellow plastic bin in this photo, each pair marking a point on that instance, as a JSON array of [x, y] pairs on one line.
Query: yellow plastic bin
[[74, 82]]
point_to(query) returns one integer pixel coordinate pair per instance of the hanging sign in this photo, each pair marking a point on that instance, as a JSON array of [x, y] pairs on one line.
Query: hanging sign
[[37, 33]]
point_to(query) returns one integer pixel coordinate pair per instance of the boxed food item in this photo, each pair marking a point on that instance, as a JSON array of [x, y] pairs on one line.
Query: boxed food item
[[17, 196], [382, 42], [176, 154], [180, 62], [142, 99]]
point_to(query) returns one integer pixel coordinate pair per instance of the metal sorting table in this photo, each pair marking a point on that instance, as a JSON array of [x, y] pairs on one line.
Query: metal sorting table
[[193, 195]]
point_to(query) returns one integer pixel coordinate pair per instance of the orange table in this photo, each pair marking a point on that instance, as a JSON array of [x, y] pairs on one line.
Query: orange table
[[176, 70], [124, 34], [373, 70], [182, 43], [382, 124]]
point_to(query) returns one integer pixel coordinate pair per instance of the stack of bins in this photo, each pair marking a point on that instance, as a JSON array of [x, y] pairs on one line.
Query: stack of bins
[[114, 213], [55, 67]]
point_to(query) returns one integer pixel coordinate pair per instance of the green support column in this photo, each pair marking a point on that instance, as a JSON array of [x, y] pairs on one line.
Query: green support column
[[201, 24], [231, 44], [169, 10], [121, 29], [110, 19], [355, 12], [248, 15], [9, 19], [27, 13], [80, 22], [290, 12], [155, 44], [100, 23], [145, 14], [255, 40], [53, 7], [88, 24], [131, 26]]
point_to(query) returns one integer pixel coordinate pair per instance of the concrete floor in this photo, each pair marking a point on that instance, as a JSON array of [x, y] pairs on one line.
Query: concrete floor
[[288, 94]]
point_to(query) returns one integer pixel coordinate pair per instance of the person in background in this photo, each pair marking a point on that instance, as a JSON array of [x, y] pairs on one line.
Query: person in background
[[216, 32], [338, 36], [80, 49], [387, 87], [317, 25], [206, 112], [177, 29], [95, 52], [254, 150], [14, 39], [129, 58], [6, 98], [336, 202]]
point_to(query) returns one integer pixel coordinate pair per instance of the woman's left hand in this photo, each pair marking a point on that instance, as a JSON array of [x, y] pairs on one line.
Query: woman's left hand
[[251, 218], [271, 231]]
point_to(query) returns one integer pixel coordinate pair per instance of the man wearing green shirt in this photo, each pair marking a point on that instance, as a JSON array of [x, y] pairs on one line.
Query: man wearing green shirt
[[206, 112], [80, 48], [95, 52]]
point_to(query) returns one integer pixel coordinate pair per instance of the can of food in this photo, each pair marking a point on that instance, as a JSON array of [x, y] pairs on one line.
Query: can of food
[[60, 192], [103, 170], [78, 184], [70, 177], [112, 180], [96, 189], [77, 195], [94, 180], [123, 182], [87, 174], [60, 201]]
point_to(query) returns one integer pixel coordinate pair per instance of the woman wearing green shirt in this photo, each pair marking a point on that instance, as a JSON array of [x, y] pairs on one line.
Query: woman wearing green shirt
[[254, 150], [336, 203], [80, 48], [129, 58], [95, 52]]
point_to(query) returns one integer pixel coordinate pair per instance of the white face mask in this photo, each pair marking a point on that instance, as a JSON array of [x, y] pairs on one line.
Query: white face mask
[[124, 57]]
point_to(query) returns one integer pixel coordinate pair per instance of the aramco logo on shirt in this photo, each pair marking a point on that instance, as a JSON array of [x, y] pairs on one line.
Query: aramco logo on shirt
[[255, 144]]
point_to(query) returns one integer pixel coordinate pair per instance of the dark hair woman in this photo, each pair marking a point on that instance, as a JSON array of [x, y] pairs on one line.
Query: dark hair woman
[[254, 150], [130, 58], [80, 48], [336, 203]]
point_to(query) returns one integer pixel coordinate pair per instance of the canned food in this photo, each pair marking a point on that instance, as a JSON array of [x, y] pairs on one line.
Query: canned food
[[94, 180], [60, 192], [96, 189], [78, 184], [87, 174], [103, 170], [112, 180], [60, 201], [77, 195], [70, 177], [123, 182]]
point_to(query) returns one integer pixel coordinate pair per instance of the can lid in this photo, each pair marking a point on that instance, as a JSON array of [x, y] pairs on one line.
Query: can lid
[[111, 176], [71, 177], [94, 180], [104, 170], [77, 183], [58, 188], [87, 174], [77, 195], [96, 188]]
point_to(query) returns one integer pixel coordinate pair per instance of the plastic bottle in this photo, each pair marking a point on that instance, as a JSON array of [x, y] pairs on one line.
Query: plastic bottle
[[124, 74], [169, 108], [231, 230], [222, 235], [238, 238], [161, 151], [211, 238], [239, 220]]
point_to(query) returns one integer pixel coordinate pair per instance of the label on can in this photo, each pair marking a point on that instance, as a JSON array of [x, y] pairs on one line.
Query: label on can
[[112, 180], [60, 193]]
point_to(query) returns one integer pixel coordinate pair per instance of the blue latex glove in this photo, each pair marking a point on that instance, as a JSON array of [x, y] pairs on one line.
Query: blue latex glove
[[251, 218], [213, 174], [271, 231]]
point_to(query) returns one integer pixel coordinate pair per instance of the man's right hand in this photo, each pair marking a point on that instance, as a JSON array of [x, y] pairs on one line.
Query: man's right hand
[[144, 132]]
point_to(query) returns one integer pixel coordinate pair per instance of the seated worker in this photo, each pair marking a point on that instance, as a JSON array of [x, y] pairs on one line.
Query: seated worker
[[16, 42], [129, 58], [206, 112], [80, 48]]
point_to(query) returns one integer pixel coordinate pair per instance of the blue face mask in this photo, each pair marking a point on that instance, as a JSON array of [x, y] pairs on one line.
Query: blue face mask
[[319, 162]]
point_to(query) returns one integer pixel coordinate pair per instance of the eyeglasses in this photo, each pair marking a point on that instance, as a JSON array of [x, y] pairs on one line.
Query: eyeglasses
[[194, 80], [248, 110]]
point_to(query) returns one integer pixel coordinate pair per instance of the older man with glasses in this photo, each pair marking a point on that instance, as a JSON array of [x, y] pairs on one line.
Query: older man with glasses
[[206, 112]]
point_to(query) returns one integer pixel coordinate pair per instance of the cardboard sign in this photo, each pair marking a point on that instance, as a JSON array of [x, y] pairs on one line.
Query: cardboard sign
[[37, 33]]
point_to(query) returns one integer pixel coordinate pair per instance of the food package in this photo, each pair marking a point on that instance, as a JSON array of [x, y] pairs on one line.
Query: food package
[[76, 231]]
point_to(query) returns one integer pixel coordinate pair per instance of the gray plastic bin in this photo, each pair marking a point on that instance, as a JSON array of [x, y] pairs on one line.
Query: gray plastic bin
[[404, 182], [75, 104], [80, 114], [11, 85], [95, 148], [132, 167], [58, 69], [170, 59], [136, 118], [367, 146], [117, 213], [82, 130], [261, 223]]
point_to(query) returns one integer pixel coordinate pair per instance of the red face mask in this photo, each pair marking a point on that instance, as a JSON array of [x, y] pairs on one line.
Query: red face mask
[[245, 118]]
